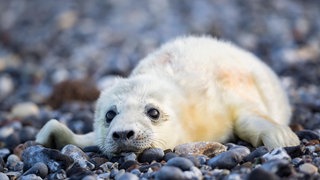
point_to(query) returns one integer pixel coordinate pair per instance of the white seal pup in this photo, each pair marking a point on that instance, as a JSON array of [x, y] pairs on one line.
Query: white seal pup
[[191, 89]]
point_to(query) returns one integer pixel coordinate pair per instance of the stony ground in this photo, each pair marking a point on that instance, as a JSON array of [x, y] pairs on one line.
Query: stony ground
[[54, 53]]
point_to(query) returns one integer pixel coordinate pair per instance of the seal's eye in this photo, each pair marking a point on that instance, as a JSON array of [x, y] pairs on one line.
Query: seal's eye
[[110, 115], [153, 113]]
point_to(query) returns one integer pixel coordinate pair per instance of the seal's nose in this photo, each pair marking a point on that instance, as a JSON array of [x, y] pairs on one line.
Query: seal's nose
[[123, 135]]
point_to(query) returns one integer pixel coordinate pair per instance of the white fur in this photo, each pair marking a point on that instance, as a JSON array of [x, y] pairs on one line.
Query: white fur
[[206, 89]]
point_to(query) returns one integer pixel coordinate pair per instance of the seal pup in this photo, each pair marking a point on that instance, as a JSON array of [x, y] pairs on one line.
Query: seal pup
[[190, 89]]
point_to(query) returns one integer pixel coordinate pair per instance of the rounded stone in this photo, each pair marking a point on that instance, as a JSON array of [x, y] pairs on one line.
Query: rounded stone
[[39, 169], [24, 109], [169, 156], [260, 151], [14, 163], [225, 160], [308, 135], [295, 151], [277, 153], [127, 176], [209, 149], [149, 155], [30, 177], [262, 174], [281, 167], [3, 176], [77, 155], [183, 163], [169, 172], [308, 168]]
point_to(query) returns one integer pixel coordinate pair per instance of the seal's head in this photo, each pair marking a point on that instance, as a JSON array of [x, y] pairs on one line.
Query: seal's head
[[137, 113]]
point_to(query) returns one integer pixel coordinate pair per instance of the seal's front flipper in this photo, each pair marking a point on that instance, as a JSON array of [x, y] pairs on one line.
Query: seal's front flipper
[[56, 135], [261, 131]]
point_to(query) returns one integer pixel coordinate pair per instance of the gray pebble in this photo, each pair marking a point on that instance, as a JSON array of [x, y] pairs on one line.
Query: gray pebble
[[278, 153], [3, 176], [78, 156], [51, 157], [39, 169], [308, 135], [14, 163], [260, 151], [261, 174], [225, 160], [149, 155], [170, 155], [4, 152], [169, 172], [118, 174], [130, 156], [30, 177], [60, 174], [281, 167], [127, 176], [183, 163]]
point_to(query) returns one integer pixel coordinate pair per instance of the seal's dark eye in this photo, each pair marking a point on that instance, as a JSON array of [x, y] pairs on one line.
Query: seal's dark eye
[[110, 115], [153, 113]]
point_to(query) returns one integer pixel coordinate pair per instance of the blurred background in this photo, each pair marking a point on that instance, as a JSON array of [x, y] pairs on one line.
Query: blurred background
[[45, 43]]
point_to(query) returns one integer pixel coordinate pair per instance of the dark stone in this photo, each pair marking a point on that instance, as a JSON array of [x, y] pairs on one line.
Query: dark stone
[[193, 159], [153, 166], [169, 172], [225, 160], [128, 164], [27, 133], [180, 162], [78, 172], [170, 155], [280, 167], [94, 149], [260, 151], [308, 135], [54, 159], [12, 141], [98, 161], [262, 174], [295, 151], [149, 155], [39, 169]]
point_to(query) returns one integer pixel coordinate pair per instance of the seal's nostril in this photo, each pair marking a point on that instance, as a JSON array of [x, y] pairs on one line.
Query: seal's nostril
[[130, 134], [122, 135], [115, 136]]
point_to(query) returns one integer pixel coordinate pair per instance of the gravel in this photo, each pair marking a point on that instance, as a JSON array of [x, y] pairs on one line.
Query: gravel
[[51, 53]]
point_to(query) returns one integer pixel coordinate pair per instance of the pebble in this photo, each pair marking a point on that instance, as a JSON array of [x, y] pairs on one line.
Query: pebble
[[209, 149], [308, 135], [295, 151], [39, 169], [127, 176], [308, 168], [78, 156], [169, 172], [25, 109], [14, 163], [149, 155], [3, 176], [260, 151], [281, 167], [183, 163], [6, 85], [230, 158], [4, 152], [54, 159], [30, 177], [277, 153], [169, 156], [261, 174]]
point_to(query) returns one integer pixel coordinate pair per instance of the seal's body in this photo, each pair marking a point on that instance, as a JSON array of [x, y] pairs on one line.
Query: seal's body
[[191, 89]]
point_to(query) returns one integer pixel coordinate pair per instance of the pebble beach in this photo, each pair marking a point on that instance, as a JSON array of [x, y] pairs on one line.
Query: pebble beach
[[56, 57]]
